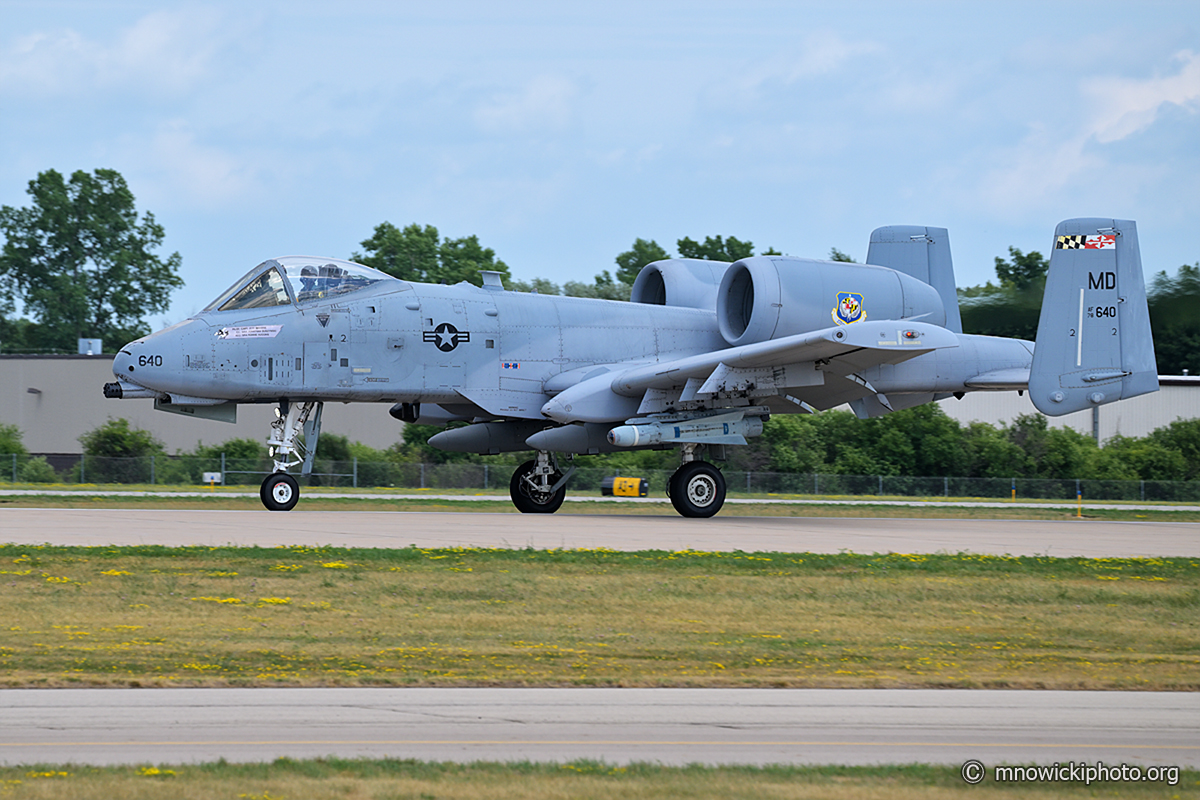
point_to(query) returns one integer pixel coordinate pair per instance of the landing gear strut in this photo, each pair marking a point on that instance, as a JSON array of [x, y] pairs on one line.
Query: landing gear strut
[[539, 486], [697, 488], [280, 491]]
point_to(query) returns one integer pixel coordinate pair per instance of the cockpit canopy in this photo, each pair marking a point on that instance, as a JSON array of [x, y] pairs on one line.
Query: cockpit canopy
[[296, 279]]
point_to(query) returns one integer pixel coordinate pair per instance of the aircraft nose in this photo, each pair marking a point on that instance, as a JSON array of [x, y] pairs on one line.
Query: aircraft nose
[[123, 362]]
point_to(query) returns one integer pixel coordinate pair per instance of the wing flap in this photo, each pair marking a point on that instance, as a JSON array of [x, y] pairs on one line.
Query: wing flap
[[839, 350]]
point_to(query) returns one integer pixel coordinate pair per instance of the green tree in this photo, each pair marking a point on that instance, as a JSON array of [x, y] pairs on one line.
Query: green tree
[[1183, 437], [1175, 320], [249, 449], [793, 442], [37, 470], [1013, 308], [604, 288], [419, 254], [82, 261], [838, 255], [10, 441], [1131, 458], [538, 285], [715, 248], [1025, 271], [989, 453], [643, 252], [462, 259], [18, 335], [410, 254], [118, 453], [116, 439]]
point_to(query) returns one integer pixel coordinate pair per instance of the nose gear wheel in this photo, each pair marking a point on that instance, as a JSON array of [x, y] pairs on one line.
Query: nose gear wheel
[[280, 492]]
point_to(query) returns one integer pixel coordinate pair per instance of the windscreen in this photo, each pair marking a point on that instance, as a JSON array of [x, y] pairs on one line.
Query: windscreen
[[263, 291], [309, 278]]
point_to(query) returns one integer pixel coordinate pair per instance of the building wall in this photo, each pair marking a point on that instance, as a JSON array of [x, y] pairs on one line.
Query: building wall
[[69, 402], [1178, 397]]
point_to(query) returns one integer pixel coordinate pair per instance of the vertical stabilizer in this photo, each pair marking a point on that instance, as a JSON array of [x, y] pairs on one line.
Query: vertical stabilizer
[[923, 253], [1093, 341]]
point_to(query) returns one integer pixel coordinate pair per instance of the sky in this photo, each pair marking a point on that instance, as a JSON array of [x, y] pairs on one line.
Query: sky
[[559, 133]]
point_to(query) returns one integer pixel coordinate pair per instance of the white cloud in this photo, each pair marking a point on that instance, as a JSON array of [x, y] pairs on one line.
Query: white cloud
[[1034, 172], [1125, 106], [545, 103], [192, 173], [816, 55], [166, 51]]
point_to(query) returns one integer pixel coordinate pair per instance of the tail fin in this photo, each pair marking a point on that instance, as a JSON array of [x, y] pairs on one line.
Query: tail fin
[[1093, 340], [923, 253]]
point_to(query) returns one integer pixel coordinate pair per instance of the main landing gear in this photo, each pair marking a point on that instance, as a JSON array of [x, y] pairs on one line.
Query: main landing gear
[[280, 491], [539, 486], [697, 488]]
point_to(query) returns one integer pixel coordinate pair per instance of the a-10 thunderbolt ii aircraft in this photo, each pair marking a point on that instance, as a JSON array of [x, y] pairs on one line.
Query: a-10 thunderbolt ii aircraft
[[701, 357]]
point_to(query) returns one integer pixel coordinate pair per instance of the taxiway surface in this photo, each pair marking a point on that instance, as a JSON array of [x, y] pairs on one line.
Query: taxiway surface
[[670, 726], [172, 527]]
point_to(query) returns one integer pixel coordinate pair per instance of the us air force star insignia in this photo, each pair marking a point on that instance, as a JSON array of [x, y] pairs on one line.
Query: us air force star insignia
[[446, 336]]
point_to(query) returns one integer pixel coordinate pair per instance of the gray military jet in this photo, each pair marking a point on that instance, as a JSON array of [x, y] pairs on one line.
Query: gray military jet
[[704, 354]]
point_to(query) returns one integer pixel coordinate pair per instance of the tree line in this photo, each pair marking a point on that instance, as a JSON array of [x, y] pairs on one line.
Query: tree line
[[917, 442]]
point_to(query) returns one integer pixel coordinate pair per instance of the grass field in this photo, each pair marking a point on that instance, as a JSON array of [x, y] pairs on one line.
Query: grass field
[[335, 779], [304, 616]]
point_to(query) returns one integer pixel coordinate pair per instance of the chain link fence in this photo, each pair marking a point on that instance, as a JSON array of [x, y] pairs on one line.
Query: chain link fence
[[190, 470]]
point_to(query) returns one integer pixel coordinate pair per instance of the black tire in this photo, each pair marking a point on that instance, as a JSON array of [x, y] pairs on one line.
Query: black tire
[[280, 492], [531, 502], [697, 489]]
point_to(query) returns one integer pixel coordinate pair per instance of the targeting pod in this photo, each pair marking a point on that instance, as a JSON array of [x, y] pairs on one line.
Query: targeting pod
[[721, 429]]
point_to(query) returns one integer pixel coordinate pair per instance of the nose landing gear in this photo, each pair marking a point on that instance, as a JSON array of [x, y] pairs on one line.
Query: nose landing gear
[[280, 491]]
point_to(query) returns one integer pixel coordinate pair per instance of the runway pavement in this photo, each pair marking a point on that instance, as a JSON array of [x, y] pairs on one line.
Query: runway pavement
[[619, 532], [671, 726]]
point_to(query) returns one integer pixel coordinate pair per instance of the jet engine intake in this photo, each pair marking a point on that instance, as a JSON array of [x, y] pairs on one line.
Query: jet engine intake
[[682, 282], [769, 297]]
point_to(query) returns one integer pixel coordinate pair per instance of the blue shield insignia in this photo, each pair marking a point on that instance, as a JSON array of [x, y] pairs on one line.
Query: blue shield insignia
[[849, 308]]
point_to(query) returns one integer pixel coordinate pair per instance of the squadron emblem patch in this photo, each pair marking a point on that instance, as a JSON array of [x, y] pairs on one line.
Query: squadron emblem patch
[[1106, 241], [849, 308]]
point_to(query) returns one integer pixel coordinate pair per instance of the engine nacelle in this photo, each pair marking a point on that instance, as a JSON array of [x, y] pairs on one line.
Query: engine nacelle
[[682, 282], [769, 297]]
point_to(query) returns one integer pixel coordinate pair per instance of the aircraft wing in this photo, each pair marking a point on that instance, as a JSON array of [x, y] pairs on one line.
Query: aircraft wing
[[840, 350]]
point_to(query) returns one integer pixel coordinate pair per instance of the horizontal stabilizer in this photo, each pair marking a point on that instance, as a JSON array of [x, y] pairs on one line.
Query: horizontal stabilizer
[[1000, 380], [1093, 342]]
